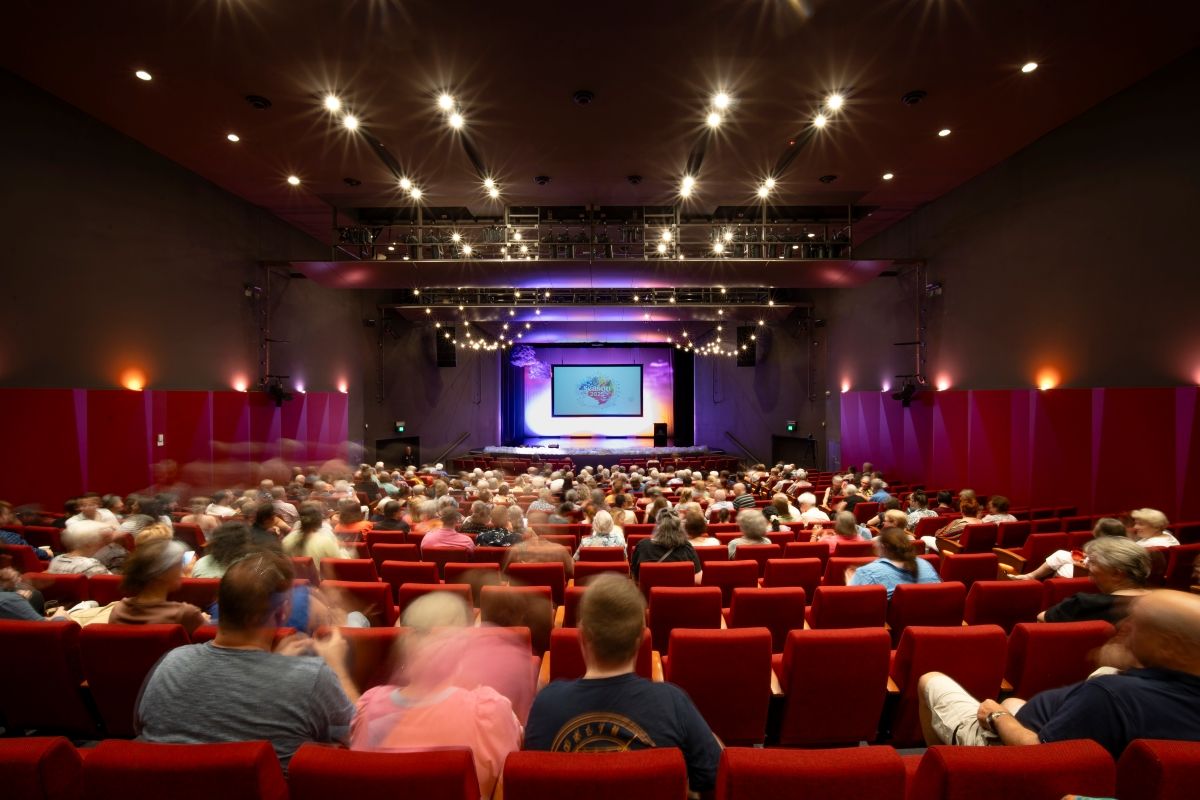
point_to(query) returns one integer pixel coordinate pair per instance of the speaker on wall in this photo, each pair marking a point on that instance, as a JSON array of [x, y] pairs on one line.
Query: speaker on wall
[[660, 434], [447, 353], [747, 352]]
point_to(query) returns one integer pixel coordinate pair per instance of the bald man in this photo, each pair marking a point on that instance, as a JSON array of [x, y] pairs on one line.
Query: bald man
[[1156, 696]]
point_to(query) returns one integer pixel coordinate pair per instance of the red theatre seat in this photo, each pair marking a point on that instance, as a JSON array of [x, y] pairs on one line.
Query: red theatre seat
[[411, 591], [1004, 603], [818, 550], [853, 549], [804, 573], [1012, 535], [23, 558], [848, 607], [571, 600], [41, 768], [973, 656], [66, 589], [1047, 655], [552, 575], [1055, 590], [105, 589], [601, 554], [853, 772], [676, 573], [143, 771], [475, 575], [200, 592], [398, 573], [734, 698], [654, 774], [50, 663], [925, 604], [520, 607], [586, 570], [116, 661], [371, 655], [1181, 561], [348, 569], [978, 538], [388, 551], [778, 610], [566, 657], [1154, 769], [814, 715], [864, 511], [759, 553], [729, 575], [674, 607], [373, 599], [969, 567], [1002, 773], [321, 773], [835, 569], [710, 553]]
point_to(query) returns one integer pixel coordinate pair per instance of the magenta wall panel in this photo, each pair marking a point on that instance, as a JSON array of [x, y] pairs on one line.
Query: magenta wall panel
[[117, 441], [1100, 450]]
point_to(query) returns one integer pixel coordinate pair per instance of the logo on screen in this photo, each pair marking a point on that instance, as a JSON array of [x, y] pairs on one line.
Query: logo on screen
[[599, 388]]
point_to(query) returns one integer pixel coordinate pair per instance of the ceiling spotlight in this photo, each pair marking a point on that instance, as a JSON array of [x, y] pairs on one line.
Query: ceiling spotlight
[[720, 312], [834, 101], [887, 176], [713, 120], [672, 300], [350, 122], [646, 315], [1029, 67], [524, 249], [414, 193], [812, 236], [445, 102], [466, 249], [405, 184], [488, 183], [233, 137], [763, 191], [771, 302], [293, 180], [516, 236], [722, 290], [636, 298], [517, 293], [142, 75], [437, 324], [461, 308], [493, 192], [685, 188], [527, 326], [332, 103], [662, 248], [447, 334], [769, 183], [416, 292], [819, 121], [727, 236], [944, 132], [456, 120], [547, 295], [666, 235], [456, 237], [511, 313], [429, 311], [761, 322], [718, 247], [721, 100], [537, 311]]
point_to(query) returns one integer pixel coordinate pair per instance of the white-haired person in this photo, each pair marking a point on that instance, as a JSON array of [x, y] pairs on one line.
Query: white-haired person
[[808, 509], [753, 525], [604, 534], [1150, 528], [833, 492], [82, 541], [1062, 563], [719, 502], [1120, 569]]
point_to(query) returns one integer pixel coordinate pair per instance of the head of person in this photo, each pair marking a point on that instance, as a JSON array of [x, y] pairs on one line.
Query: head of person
[[516, 520], [612, 618], [1163, 631], [694, 525], [499, 517], [255, 593], [845, 525], [1107, 526], [6, 514], [392, 510], [155, 565], [968, 507], [480, 513], [780, 503], [1148, 522], [264, 516], [968, 494], [998, 504], [894, 545], [944, 498], [806, 501], [84, 538], [156, 530], [602, 523], [450, 517], [668, 529], [895, 518], [752, 524], [113, 502], [918, 500], [88, 506], [312, 517], [1117, 563], [349, 512], [739, 489], [228, 542]]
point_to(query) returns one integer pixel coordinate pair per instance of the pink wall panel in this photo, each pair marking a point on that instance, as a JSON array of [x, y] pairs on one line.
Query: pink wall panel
[[41, 446], [949, 456], [1062, 447], [917, 441], [117, 441], [989, 437], [1187, 453]]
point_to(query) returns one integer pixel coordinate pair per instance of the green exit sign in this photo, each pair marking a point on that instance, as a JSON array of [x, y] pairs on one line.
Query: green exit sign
[[791, 426], [399, 426]]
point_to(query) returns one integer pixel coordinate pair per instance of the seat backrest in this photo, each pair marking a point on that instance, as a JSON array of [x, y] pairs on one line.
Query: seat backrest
[[992, 773], [317, 772], [571, 598], [802, 572], [371, 655], [586, 570], [348, 569], [1004, 603], [566, 656], [492, 555], [1055, 590], [389, 551], [23, 557], [374, 538], [50, 661], [782, 538], [814, 715], [848, 549], [372, 599], [304, 569], [928, 526], [144, 771], [1155, 769], [674, 607], [200, 592], [973, 656], [727, 674], [602, 554], [674, 573], [978, 538], [408, 592], [443, 555], [66, 589], [475, 575], [938, 604], [835, 569], [865, 510], [1040, 545], [398, 573], [1048, 655], [728, 575], [49, 536], [116, 661], [1012, 535], [1181, 561], [848, 607], [779, 610], [105, 589], [758, 553], [520, 606], [41, 768], [650, 774], [854, 772], [969, 567], [550, 574], [712, 552], [817, 550]]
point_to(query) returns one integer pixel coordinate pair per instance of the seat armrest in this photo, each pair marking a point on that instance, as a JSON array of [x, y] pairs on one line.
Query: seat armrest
[[1010, 560]]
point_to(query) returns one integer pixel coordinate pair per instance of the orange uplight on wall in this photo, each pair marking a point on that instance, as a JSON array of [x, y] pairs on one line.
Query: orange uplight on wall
[[943, 383], [1048, 378], [343, 386], [845, 385], [240, 384], [133, 379]]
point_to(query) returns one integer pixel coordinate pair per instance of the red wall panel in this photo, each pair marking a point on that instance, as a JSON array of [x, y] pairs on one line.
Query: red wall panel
[[41, 447], [1134, 448], [117, 441], [949, 455]]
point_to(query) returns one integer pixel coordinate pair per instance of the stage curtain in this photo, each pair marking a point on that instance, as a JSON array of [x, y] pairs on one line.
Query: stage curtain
[[512, 404], [684, 367]]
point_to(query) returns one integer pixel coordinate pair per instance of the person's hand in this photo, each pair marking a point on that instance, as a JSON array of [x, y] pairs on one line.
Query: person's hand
[[297, 644], [985, 708], [334, 648], [850, 574]]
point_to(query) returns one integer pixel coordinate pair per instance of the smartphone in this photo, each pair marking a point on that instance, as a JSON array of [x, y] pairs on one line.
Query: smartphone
[[188, 558]]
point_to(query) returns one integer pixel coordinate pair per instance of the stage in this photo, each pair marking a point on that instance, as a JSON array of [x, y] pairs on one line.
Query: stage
[[597, 451]]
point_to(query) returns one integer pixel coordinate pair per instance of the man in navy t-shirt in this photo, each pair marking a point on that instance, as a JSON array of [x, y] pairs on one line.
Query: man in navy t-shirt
[[1157, 696], [611, 708]]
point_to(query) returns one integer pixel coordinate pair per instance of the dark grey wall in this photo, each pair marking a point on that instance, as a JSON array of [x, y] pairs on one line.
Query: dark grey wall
[[1076, 253], [116, 257]]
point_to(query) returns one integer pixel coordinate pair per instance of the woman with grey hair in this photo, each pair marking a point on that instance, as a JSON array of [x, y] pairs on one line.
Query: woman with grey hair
[[604, 534], [1120, 569], [668, 543], [753, 525], [82, 540]]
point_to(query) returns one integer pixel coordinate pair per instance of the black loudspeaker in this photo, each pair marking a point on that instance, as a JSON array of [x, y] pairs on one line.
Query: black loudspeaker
[[660, 434], [747, 351], [447, 352]]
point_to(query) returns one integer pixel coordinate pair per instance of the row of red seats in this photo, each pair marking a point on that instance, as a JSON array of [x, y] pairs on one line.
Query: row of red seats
[[51, 769]]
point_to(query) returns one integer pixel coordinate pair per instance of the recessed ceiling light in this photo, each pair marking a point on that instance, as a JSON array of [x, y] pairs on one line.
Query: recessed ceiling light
[[686, 186], [233, 137], [662, 248], [456, 237], [488, 183], [1029, 67], [812, 236], [666, 235], [493, 192], [293, 180], [405, 184], [763, 191], [332, 103], [727, 236], [713, 119], [445, 102], [142, 75], [350, 122], [944, 132], [466, 249], [721, 100], [819, 121], [718, 247], [834, 101], [456, 120], [524, 249], [415, 193], [887, 176]]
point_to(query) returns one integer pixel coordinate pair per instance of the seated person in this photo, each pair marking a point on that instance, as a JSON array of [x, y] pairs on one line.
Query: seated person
[[788, 512], [391, 517], [845, 529], [1157, 696], [918, 509], [891, 504], [498, 533], [534, 549], [753, 526], [998, 510], [19, 600], [197, 516], [236, 688], [481, 517], [430, 708], [635, 713], [897, 564], [82, 541], [669, 543], [1120, 570], [228, 542], [351, 523], [445, 535], [945, 503], [696, 528], [604, 533], [1150, 528], [153, 570], [312, 537], [969, 508], [1062, 563], [808, 510]]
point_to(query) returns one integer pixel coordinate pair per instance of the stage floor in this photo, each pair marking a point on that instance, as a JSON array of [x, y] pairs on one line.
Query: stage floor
[[594, 442]]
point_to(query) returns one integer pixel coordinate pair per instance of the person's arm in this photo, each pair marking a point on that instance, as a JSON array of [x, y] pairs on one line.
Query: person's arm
[[1005, 725], [334, 649]]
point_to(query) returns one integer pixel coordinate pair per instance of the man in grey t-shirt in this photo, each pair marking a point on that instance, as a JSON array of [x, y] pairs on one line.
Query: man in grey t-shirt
[[236, 689]]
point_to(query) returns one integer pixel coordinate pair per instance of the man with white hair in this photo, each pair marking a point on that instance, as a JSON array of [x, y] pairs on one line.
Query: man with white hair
[[677, 479], [808, 509], [719, 502], [82, 541]]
